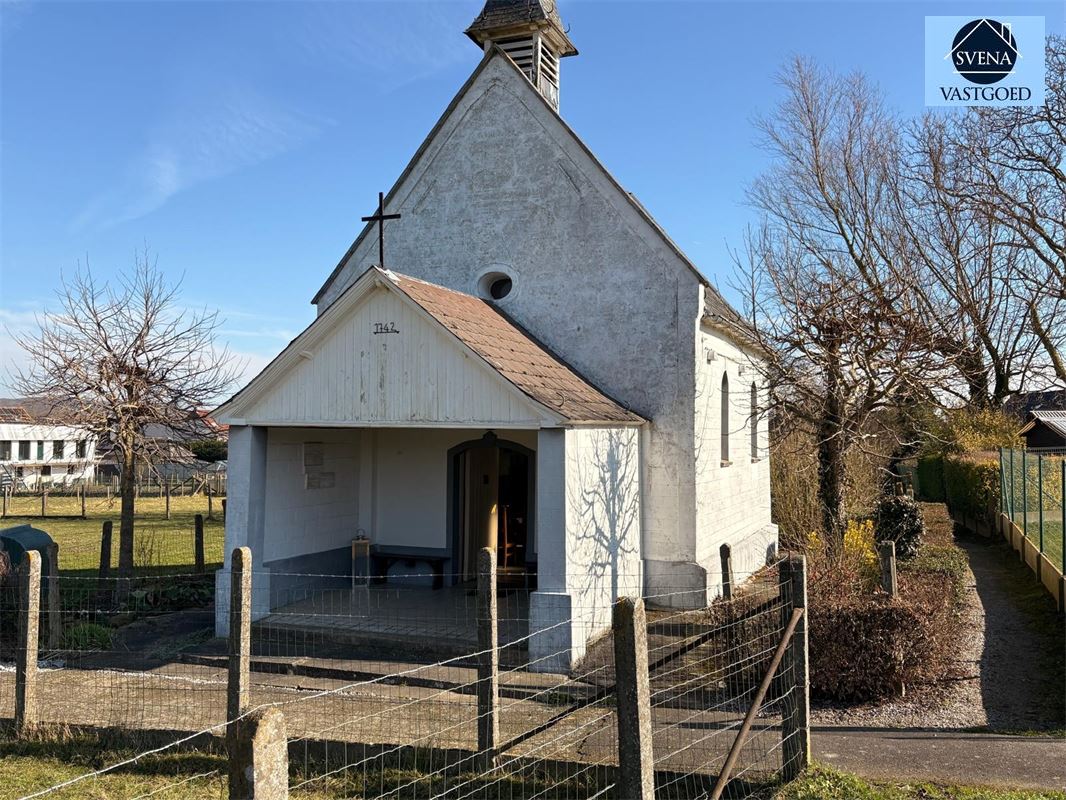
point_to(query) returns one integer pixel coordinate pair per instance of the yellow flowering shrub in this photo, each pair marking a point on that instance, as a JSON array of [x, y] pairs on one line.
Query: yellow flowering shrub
[[859, 543]]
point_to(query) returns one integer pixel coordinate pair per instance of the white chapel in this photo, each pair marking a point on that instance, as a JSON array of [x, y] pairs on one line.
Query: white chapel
[[536, 368]]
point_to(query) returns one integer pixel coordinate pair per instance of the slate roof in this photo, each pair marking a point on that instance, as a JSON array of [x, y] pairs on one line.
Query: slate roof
[[513, 352], [1023, 403], [504, 13]]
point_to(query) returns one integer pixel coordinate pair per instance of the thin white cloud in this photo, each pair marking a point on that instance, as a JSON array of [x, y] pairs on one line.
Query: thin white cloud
[[281, 334], [390, 45], [199, 140]]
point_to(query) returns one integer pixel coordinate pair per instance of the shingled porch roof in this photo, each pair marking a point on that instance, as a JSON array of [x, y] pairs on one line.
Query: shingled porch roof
[[513, 352]]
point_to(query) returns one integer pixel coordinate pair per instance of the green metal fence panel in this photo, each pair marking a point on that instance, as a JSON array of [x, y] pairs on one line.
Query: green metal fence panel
[[1062, 516], [1040, 498]]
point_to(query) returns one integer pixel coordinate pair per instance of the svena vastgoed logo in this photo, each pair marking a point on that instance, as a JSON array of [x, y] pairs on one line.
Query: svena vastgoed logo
[[984, 51], [986, 61]]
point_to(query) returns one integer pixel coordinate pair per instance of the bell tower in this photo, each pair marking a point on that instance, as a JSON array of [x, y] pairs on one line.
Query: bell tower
[[532, 34]]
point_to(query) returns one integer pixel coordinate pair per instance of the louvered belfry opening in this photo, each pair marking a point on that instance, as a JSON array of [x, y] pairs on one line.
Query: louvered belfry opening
[[537, 61], [531, 33]]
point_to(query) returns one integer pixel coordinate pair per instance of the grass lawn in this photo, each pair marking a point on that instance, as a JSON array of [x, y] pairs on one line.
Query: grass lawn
[[158, 542], [29, 767], [1052, 533], [825, 784]]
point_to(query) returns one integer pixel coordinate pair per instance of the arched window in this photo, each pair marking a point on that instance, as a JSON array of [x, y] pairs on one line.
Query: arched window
[[753, 423], [725, 418]]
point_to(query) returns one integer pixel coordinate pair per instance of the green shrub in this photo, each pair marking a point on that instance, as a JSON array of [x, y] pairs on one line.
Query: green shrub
[[971, 484], [86, 636], [898, 519], [930, 473]]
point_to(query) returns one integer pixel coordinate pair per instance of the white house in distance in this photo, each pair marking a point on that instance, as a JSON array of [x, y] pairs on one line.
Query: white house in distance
[[539, 368], [36, 452]]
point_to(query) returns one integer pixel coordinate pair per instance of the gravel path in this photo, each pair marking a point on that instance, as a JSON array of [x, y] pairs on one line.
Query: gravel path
[[1009, 672]]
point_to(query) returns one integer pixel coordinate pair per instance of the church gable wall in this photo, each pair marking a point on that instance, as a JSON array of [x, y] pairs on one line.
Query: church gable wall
[[504, 187]]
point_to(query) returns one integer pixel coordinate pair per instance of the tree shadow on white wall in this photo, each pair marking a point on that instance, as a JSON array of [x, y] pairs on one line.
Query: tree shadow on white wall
[[604, 507]]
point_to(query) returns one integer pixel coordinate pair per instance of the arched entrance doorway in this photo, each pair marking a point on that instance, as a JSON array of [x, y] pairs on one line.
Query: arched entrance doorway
[[492, 496]]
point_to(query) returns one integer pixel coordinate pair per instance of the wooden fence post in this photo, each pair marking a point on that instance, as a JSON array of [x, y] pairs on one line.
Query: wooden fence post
[[240, 645], [259, 765], [887, 553], [7, 494], [198, 542], [488, 661], [210, 504], [167, 493], [26, 655], [727, 571], [636, 764], [55, 619], [223, 509], [44, 504], [83, 492], [796, 716]]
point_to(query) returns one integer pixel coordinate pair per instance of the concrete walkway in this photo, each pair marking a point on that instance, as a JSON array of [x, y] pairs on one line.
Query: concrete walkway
[[968, 759], [1011, 678]]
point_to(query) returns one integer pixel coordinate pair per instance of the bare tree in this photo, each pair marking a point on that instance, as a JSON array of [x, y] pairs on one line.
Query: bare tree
[[121, 359], [973, 286], [1018, 160], [828, 284]]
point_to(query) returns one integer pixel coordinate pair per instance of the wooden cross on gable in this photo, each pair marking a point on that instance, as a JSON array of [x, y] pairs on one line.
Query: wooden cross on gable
[[380, 218]]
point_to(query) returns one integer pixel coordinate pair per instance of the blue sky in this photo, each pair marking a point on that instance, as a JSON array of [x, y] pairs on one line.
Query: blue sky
[[242, 141]]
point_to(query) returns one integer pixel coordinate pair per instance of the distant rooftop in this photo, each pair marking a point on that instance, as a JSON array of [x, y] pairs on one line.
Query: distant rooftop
[[1024, 403]]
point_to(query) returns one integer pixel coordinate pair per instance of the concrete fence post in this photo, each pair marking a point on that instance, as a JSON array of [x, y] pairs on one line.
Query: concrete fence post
[[26, 656], [796, 714], [198, 542], [636, 764], [887, 553], [259, 765], [727, 571], [488, 661], [240, 642], [105, 551], [55, 619]]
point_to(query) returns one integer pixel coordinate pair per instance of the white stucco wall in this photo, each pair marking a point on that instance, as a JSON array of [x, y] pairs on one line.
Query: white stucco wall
[[732, 501], [302, 520], [504, 186], [603, 522], [391, 484], [591, 483]]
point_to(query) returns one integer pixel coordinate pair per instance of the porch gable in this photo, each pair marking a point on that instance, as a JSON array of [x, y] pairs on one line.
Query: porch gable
[[377, 359]]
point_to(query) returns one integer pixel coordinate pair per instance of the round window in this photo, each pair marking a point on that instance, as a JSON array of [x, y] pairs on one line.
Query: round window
[[500, 288], [495, 285]]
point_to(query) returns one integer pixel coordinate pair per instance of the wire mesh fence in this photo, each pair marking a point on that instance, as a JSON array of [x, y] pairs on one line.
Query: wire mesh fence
[[385, 687], [165, 528]]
